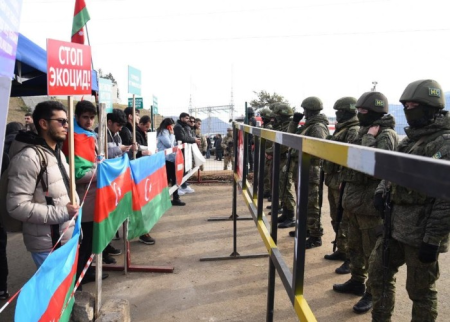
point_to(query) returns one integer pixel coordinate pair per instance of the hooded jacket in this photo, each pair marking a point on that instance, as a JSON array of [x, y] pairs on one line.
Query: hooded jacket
[[26, 201]]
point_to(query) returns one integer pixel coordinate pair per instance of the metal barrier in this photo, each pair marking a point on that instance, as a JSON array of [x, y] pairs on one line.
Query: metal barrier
[[426, 175]]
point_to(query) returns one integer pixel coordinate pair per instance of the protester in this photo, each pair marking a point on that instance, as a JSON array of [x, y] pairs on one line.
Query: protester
[[183, 133], [218, 146], [86, 181], [38, 196], [166, 140], [126, 134]]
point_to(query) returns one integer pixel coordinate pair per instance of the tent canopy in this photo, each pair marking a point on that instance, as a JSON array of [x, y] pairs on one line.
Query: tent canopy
[[31, 70]]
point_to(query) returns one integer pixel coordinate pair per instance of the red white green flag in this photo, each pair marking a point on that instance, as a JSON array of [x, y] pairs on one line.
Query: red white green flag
[[80, 18]]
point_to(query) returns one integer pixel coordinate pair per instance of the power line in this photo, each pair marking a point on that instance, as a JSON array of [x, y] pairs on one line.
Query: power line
[[324, 34]]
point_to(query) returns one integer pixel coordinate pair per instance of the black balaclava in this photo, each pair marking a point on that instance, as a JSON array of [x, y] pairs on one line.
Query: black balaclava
[[369, 118], [420, 116], [310, 113], [344, 115]]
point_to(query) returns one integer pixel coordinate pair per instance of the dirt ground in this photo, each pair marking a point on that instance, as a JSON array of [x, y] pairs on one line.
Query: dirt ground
[[228, 290]]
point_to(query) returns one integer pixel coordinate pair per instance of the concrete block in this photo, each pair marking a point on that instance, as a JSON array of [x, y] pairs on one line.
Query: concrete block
[[83, 308], [115, 310]]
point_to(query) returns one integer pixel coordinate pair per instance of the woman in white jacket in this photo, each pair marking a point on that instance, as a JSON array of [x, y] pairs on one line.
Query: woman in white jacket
[[166, 140]]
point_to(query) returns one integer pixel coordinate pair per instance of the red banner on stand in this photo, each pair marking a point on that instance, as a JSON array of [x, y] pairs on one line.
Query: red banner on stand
[[68, 68]]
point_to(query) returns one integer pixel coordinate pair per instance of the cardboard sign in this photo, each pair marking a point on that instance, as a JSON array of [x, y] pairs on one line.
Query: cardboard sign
[[68, 68]]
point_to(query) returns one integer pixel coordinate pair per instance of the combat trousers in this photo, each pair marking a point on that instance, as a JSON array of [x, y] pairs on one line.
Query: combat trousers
[[286, 185], [227, 159], [341, 240], [313, 220], [362, 236], [268, 176], [420, 282]]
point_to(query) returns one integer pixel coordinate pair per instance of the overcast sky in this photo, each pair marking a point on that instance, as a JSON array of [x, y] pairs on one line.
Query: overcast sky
[[296, 48]]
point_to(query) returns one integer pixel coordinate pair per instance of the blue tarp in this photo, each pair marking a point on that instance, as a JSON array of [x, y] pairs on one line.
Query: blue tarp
[[31, 65]]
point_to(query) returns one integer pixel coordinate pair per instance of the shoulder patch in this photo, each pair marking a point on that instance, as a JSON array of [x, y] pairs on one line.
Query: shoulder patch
[[434, 92], [379, 102], [437, 155]]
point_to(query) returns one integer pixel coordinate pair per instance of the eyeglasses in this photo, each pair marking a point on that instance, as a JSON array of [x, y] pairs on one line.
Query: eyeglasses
[[61, 121]]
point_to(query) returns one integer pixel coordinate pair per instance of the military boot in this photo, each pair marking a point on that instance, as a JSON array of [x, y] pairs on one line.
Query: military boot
[[336, 256], [288, 219], [350, 287], [292, 233], [313, 242], [344, 268], [364, 304]]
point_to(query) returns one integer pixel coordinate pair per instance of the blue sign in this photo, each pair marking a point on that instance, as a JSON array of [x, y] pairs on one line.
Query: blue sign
[[9, 35], [105, 93], [134, 81]]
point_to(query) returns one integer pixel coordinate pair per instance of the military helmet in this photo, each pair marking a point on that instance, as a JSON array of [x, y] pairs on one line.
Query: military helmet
[[282, 109], [425, 91], [346, 104], [373, 101], [312, 103], [265, 113]]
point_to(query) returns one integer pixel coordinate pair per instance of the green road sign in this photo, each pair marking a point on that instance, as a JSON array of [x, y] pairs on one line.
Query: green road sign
[[155, 105], [138, 101]]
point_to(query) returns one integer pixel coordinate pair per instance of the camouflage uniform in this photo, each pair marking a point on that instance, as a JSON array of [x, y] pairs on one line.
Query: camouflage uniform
[[316, 127], [417, 221], [227, 146], [364, 219], [265, 114], [283, 112], [203, 144], [345, 132]]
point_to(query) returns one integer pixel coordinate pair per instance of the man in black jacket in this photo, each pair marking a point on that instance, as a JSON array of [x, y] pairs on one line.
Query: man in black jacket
[[126, 134], [183, 133]]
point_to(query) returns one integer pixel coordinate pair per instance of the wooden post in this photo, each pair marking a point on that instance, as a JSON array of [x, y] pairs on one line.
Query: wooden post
[[72, 192], [102, 151]]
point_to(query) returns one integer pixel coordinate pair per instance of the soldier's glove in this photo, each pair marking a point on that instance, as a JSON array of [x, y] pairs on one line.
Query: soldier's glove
[[428, 253], [297, 117], [378, 203]]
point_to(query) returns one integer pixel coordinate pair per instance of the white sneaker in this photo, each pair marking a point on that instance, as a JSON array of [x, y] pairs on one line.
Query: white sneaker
[[188, 189], [181, 192]]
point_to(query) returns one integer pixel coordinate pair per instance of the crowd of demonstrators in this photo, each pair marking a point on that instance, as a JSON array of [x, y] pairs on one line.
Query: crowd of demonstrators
[[86, 186], [166, 140], [184, 134], [126, 135], [38, 182]]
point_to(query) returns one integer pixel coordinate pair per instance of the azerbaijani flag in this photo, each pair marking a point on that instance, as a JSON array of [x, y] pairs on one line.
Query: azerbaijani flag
[[80, 18], [151, 198], [46, 294], [84, 148], [113, 200]]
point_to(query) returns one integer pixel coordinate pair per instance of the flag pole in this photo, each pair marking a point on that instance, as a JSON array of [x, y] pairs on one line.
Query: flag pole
[[89, 44]]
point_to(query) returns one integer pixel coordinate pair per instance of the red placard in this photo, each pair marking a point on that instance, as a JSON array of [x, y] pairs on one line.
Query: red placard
[[68, 68]]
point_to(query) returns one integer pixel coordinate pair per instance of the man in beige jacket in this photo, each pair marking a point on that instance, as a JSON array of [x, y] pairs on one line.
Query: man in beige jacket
[[41, 201]]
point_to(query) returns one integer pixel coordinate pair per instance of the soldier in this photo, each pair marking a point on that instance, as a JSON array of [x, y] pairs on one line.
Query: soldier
[[283, 113], [316, 126], [251, 122], [420, 224], [228, 147], [376, 131], [266, 115], [346, 131]]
